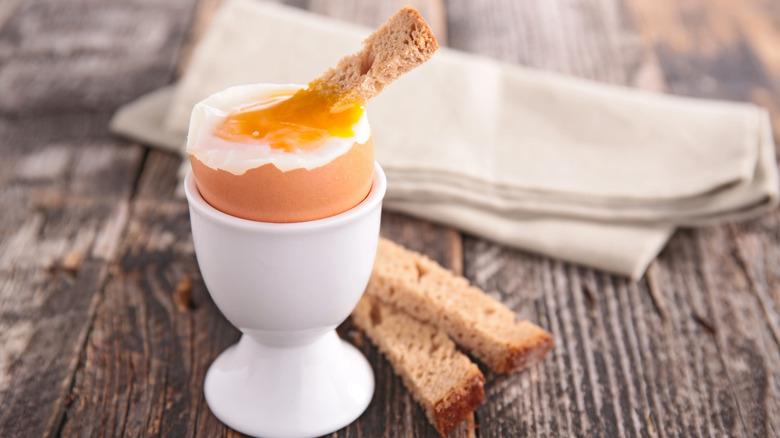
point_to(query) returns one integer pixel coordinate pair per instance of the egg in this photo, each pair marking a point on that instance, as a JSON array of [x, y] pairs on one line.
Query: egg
[[258, 153]]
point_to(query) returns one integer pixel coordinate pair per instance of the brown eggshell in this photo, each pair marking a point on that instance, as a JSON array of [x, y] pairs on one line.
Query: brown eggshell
[[267, 194]]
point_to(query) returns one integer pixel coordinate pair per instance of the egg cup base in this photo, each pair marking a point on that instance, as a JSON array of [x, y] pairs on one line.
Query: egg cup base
[[303, 391]]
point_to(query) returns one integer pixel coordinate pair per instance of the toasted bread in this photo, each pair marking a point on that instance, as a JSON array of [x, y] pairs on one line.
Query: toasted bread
[[396, 47], [479, 323], [443, 380]]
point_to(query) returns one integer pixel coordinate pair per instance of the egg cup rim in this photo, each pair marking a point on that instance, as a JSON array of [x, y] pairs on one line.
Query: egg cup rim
[[374, 197]]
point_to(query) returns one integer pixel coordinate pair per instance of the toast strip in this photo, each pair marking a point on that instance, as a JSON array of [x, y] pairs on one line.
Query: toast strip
[[430, 293], [443, 380], [401, 44]]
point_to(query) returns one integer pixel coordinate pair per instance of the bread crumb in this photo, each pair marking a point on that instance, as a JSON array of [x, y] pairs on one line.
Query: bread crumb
[[182, 295], [70, 264]]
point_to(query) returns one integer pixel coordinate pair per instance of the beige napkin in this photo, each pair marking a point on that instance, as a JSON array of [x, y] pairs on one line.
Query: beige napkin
[[586, 172]]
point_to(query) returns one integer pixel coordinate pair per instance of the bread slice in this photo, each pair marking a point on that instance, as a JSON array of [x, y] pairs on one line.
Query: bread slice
[[396, 47], [443, 380], [479, 323]]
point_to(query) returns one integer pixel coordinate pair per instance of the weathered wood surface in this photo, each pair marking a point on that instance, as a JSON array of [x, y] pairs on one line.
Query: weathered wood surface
[[66, 184], [106, 327]]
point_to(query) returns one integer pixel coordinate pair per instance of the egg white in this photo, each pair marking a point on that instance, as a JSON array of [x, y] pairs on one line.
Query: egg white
[[237, 158]]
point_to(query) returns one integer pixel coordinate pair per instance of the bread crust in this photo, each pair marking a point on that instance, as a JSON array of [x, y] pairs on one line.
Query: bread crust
[[519, 358], [411, 309], [401, 44], [446, 384], [479, 323], [456, 407]]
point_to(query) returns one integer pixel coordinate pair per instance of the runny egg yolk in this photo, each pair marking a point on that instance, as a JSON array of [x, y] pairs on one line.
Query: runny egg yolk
[[302, 122]]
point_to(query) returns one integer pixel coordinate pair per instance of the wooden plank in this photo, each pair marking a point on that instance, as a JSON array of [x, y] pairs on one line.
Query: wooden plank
[[87, 56], [758, 256], [630, 359], [7, 9], [155, 332], [66, 186], [728, 50], [206, 9], [729, 383], [596, 382], [717, 49], [585, 38], [66, 183]]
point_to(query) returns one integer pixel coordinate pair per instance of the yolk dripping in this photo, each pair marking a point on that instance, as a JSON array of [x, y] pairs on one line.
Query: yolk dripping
[[302, 121]]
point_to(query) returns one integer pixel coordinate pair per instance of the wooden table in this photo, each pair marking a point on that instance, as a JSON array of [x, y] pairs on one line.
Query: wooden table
[[106, 327]]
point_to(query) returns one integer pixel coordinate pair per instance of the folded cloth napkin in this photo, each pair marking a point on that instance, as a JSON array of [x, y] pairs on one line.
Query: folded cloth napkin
[[590, 173]]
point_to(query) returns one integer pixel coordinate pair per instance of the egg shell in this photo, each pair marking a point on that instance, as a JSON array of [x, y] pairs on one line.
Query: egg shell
[[267, 194]]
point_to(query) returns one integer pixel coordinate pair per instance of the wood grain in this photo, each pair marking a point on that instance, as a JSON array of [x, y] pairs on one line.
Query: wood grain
[[146, 356], [722, 51], [630, 359], [717, 49], [107, 329], [87, 56], [66, 187], [589, 386], [66, 184], [591, 39]]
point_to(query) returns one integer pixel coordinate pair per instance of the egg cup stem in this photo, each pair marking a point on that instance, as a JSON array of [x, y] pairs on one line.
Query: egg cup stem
[[307, 390], [286, 287]]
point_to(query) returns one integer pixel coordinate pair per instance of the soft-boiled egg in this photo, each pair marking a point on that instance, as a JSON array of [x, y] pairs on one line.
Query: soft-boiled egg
[[258, 153]]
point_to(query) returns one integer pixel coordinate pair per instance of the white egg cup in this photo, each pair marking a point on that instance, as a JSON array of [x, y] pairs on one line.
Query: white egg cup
[[286, 287]]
